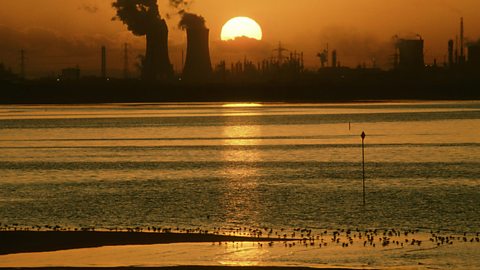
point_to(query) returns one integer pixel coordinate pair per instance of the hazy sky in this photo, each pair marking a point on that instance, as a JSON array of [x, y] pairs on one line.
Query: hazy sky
[[62, 33]]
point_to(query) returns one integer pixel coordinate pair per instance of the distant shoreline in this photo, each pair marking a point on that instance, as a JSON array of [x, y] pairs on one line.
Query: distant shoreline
[[371, 88], [184, 268], [41, 241]]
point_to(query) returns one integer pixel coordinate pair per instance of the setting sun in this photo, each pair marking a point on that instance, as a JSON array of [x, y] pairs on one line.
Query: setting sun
[[239, 135], [241, 27]]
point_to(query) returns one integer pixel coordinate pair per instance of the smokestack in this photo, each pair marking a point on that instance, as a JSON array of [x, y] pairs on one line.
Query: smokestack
[[396, 58], [22, 64], [143, 19], [462, 45], [198, 65], [450, 53], [456, 50], [104, 62], [334, 58]]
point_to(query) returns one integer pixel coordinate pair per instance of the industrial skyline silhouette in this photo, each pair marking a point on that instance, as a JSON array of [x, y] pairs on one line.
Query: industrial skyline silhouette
[[281, 77]]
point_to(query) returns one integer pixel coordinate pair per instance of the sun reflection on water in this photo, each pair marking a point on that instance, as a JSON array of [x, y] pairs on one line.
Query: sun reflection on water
[[243, 254], [241, 135], [242, 105], [241, 201]]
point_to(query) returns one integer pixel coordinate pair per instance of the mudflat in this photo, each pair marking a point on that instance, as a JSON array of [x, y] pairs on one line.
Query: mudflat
[[42, 241]]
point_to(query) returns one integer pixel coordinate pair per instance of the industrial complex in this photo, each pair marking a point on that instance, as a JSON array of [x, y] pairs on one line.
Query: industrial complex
[[282, 76]]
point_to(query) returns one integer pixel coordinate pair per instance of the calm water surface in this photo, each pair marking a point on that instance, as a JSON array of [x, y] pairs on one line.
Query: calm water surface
[[211, 165]]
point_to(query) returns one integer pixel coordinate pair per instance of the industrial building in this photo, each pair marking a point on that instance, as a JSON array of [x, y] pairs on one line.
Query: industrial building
[[72, 73], [157, 62], [104, 63], [410, 54], [474, 56], [198, 66]]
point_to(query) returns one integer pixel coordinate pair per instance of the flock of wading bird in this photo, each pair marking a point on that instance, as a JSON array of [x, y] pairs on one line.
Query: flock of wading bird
[[298, 237]]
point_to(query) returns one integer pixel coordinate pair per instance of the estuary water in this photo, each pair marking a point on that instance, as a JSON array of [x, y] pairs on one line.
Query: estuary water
[[242, 165]]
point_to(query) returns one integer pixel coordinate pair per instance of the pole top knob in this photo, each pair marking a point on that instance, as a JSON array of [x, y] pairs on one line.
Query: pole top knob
[[363, 135]]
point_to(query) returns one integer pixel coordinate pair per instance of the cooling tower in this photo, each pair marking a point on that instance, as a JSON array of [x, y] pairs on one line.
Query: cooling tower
[[411, 54], [157, 62], [198, 66]]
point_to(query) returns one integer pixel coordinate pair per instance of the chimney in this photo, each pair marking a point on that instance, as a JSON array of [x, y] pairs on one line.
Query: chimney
[[462, 43], [456, 50], [198, 65], [22, 64], [104, 62], [334, 58], [450, 53]]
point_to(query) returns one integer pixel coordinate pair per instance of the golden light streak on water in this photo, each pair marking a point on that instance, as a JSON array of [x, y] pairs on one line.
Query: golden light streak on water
[[241, 105]]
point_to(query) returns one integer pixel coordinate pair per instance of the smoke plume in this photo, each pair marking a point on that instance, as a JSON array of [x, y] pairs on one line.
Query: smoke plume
[[356, 47], [89, 8], [198, 66], [139, 15], [142, 18], [191, 21], [181, 5], [450, 7]]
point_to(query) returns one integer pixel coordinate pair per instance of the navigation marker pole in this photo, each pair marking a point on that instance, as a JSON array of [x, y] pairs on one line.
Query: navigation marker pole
[[363, 164]]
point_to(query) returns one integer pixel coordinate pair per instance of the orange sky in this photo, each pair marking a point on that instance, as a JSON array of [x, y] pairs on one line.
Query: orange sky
[[62, 33]]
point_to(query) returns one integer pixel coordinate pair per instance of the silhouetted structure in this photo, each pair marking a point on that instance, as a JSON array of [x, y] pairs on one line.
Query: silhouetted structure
[[411, 57], [70, 73], [22, 64], [450, 54], [198, 66], [461, 59], [334, 58], [279, 51], [282, 77], [323, 56], [143, 19], [474, 56], [104, 62], [6, 74], [278, 69], [157, 62]]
